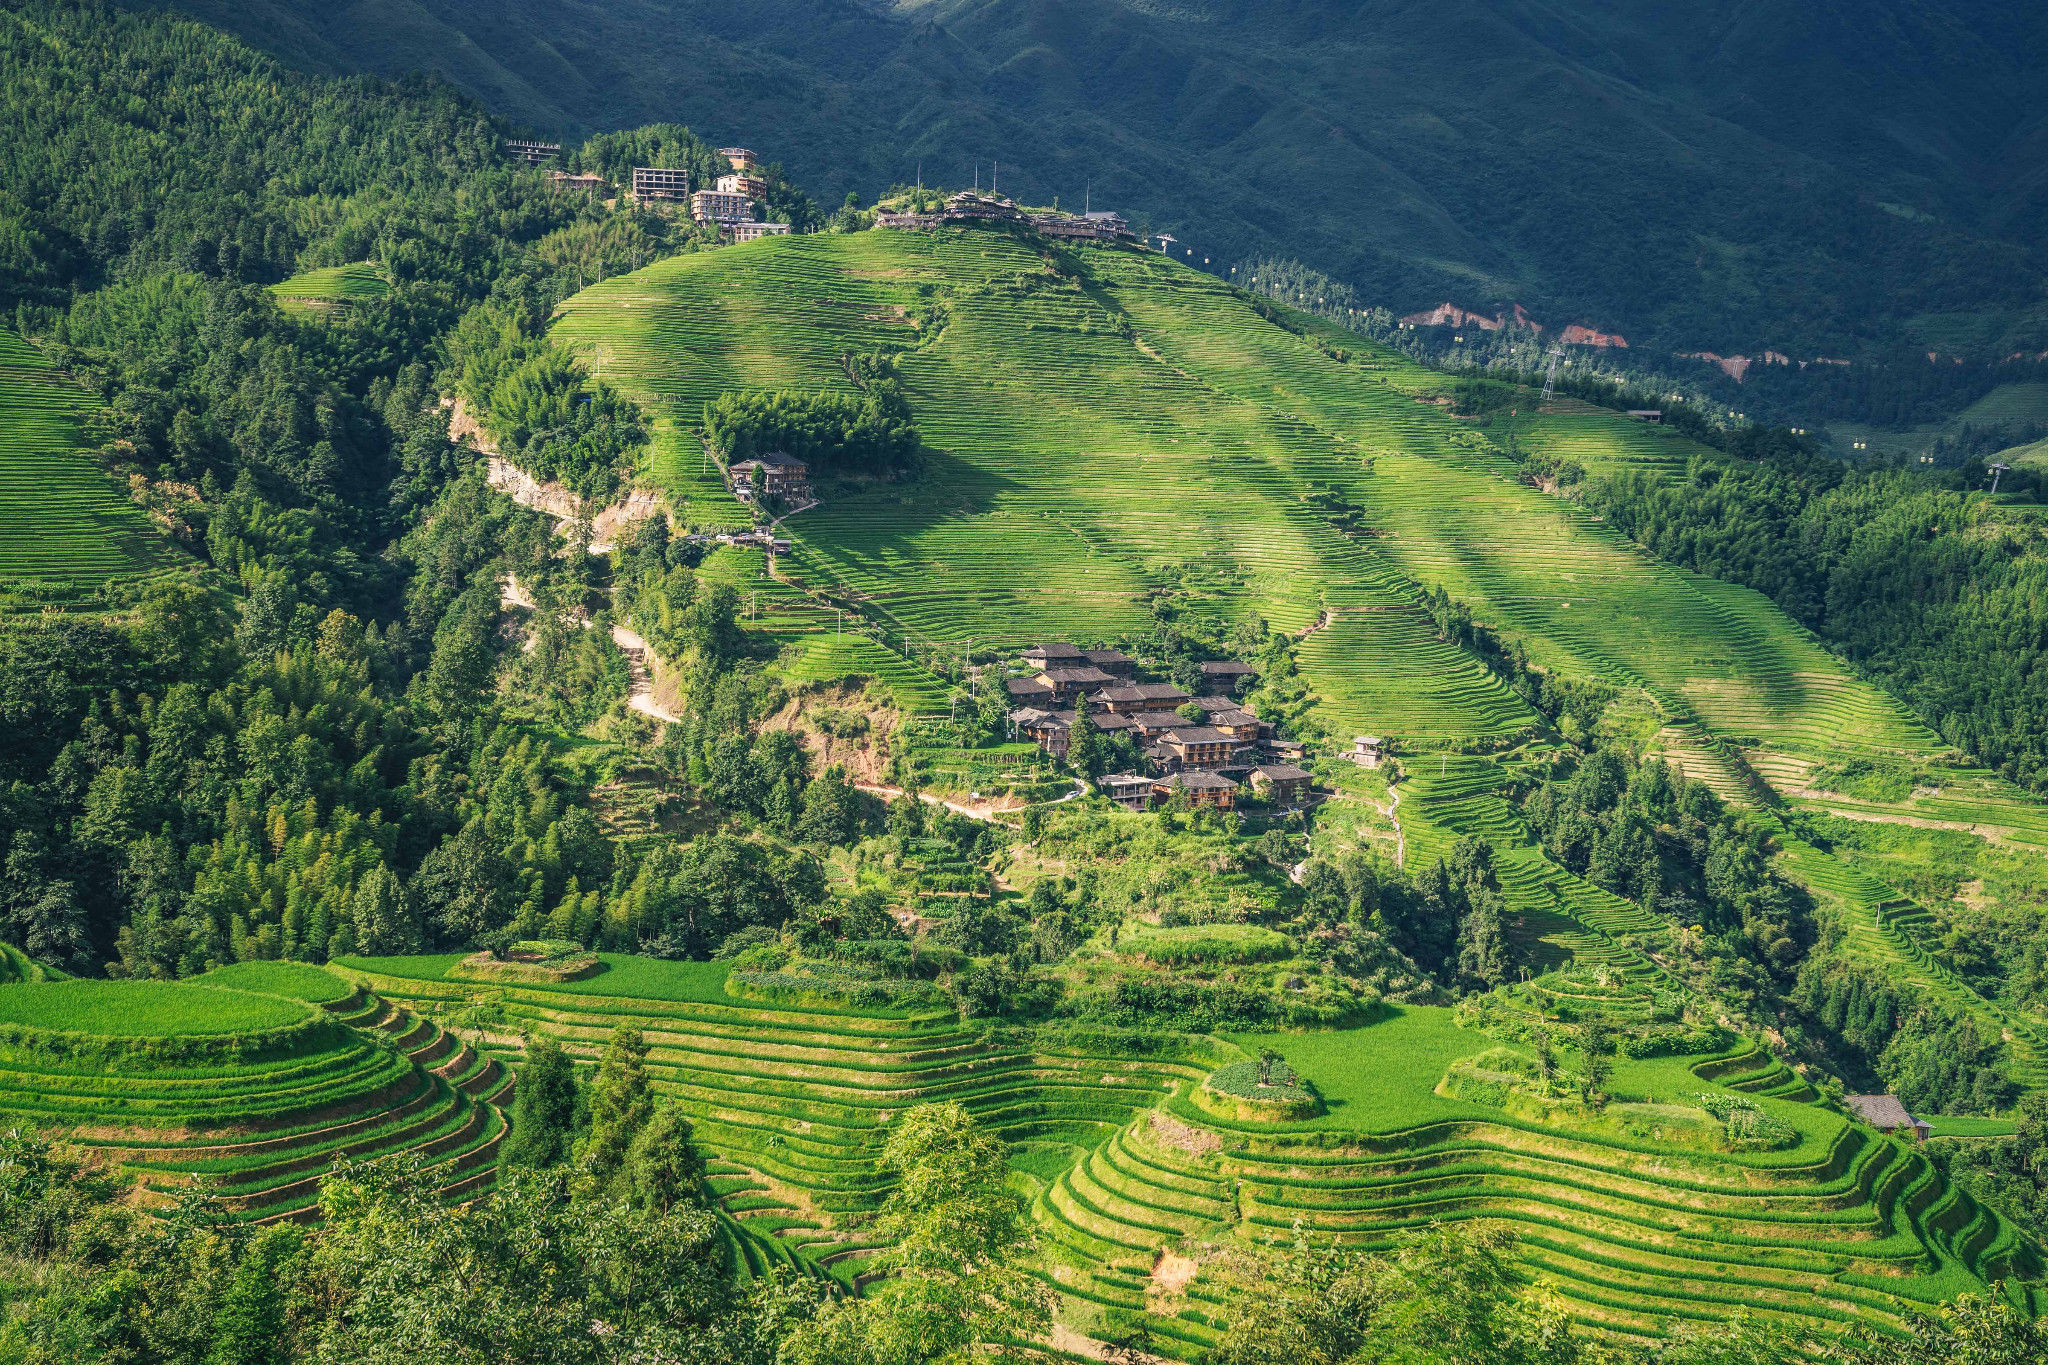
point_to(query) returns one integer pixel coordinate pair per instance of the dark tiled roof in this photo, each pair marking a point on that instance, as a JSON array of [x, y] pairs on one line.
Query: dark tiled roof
[[1227, 668], [1198, 734], [1199, 781], [1106, 656], [1028, 687], [1053, 650], [1281, 772], [1879, 1111], [1152, 692], [1076, 675]]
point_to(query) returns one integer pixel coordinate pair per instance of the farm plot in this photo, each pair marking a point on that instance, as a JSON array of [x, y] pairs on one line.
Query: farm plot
[[65, 527], [248, 1082], [793, 1101], [331, 287], [1632, 1231]]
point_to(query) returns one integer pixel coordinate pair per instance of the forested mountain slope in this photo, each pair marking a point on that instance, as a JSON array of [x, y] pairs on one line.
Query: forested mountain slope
[[1804, 176]]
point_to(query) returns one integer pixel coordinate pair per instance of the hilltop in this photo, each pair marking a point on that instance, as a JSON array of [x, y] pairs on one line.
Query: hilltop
[[1719, 178]]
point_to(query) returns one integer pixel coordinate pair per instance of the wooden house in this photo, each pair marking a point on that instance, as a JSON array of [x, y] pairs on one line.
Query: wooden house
[[1199, 746], [1133, 697], [1153, 724], [1069, 682], [1114, 662], [1054, 655], [773, 474], [1029, 692], [1203, 789], [1043, 728], [1282, 783], [1366, 751], [1226, 674], [1887, 1115]]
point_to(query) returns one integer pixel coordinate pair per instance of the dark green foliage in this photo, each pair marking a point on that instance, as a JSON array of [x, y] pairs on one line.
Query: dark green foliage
[[1934, 1055], [833, 433], [543, 1107], [621, 1101], [1713, 208], [1666, 842]]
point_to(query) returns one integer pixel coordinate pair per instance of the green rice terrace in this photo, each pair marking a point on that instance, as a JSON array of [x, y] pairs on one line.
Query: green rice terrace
[[1110, 429], [311, 292], [249, 1082], [65, 526], [1712, 1184], [1709, 1185]]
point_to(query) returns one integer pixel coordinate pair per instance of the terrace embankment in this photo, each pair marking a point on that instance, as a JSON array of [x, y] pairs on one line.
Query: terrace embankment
[[248, 1084]]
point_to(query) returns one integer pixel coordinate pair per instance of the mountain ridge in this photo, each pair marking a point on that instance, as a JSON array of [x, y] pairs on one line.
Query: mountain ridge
[[1718, 183]]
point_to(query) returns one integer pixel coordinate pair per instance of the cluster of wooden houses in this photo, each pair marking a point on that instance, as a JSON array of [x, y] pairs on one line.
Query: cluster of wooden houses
[[970, 206], [1210, 758]]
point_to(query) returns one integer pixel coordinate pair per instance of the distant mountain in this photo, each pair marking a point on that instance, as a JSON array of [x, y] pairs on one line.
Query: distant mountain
[[1814, 175]]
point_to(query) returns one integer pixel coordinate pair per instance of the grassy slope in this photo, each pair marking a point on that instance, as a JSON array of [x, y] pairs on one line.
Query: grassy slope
[[65, 527], [141, 1009], [1147, 431]]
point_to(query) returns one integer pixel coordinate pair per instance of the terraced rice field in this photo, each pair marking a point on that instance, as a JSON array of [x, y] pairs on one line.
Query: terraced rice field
[[1630, 1232], [249, 1082], [65, 526], [793, 1101], [329, 287], [1135, 1181]]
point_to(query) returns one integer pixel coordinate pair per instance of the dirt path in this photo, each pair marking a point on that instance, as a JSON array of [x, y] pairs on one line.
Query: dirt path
[[637, 654], [1400, 839], [986, 812]]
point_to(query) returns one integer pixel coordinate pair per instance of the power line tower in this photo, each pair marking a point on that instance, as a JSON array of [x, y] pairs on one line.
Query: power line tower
[[1550, 379], [1997, 470]]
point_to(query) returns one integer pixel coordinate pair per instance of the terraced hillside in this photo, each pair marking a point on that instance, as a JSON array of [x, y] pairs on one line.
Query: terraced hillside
[[1123, 427], [1140, 1185], [65, 528], [1629, 1224], [331, 287], [793, 1100], [249, 1082]]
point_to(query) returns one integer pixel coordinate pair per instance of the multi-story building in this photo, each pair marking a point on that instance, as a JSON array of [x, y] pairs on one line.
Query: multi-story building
[[748, 232], [714, 206], [661, 185], [532, 153], [752, 186], [742, 158]]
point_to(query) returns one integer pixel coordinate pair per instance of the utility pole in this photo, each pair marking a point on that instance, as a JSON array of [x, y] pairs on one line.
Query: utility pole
[[1550, 380], [1997, 470]]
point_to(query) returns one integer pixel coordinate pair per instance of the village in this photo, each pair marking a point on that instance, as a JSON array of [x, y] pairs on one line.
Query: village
[[1204, 750]]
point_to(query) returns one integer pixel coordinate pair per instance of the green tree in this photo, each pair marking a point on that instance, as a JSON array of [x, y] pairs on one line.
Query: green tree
[[249, 1326], [958, 1290], [621, 1101], [1445, 1296], [543, 1106], [663, 1168]]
